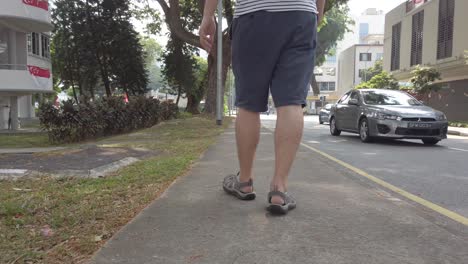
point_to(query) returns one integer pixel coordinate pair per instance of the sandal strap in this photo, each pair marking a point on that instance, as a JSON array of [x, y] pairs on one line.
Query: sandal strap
[[232, 182], [241, 185], [278, 193]]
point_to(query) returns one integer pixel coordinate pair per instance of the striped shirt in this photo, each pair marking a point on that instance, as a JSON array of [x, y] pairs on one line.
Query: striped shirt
[[248, 6]]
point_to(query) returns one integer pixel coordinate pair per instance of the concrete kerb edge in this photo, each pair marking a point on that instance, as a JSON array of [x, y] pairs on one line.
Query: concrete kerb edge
[[98, 172], [457, 133]]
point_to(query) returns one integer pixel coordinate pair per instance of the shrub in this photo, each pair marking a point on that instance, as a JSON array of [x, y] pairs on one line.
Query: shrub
[[73, 122]]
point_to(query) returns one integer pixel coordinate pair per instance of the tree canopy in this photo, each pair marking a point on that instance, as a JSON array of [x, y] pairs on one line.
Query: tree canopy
[[95, 45], [424, 78], [183, 17]]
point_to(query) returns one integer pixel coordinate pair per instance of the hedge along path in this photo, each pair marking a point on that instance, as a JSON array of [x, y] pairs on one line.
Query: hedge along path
[[66, 220], [108, 116]]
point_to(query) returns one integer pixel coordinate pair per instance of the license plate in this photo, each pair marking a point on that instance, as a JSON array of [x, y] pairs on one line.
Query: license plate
[[419, 125]]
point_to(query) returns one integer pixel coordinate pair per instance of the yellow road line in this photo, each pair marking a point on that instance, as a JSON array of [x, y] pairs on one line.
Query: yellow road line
[[412, 197]]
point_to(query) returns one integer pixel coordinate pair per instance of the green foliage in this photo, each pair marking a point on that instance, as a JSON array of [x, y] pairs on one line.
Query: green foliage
[[183, 18], [184, 115], [372, 71], [423, 79], [458, 124], [153, 52], [332, 29], [185, 73], [179, 66], [95, 45], [382, 80], [76, 122]]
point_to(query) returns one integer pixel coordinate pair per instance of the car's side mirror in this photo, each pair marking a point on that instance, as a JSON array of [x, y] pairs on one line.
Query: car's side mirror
[[353, 102]]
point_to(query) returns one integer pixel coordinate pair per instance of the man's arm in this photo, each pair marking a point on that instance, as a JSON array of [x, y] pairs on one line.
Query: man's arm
[[320, 9], [210, 7], [208, 25]]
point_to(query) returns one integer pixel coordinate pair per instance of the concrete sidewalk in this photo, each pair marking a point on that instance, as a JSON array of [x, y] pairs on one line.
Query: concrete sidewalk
[[340, 219], [458, 131]]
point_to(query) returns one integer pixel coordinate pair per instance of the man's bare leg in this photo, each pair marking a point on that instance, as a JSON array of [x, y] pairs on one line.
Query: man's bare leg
[[288, 135], [247, 137]]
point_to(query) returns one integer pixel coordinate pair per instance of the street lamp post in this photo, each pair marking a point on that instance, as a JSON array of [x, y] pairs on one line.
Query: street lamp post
[[219, 95]]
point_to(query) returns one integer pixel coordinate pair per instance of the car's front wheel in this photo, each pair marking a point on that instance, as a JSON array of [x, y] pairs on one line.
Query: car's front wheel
[[333, 130], [430, 141], [364, 131]]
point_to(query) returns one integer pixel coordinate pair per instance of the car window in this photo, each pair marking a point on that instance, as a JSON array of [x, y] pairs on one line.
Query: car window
[[354, 95], [389, 97], [343, 98]]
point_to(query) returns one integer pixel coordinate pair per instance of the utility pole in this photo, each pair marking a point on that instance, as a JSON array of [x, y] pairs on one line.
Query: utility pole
[[219, 93]]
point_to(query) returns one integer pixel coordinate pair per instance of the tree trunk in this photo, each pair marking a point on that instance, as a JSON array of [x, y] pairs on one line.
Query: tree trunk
[[74, 94], [106, 81], [210, 105], [193, 105], [314, 84], [179, 91]]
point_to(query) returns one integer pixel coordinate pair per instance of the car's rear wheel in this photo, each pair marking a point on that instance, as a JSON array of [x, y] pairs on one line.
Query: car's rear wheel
[[364, 131], [430, 141], [333, 130]]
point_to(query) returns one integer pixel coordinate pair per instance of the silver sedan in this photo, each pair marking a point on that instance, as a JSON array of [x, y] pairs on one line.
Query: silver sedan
[[387, 113]]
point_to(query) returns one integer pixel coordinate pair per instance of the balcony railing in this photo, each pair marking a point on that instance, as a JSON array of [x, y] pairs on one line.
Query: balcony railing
[[412, 4], [14, 67]]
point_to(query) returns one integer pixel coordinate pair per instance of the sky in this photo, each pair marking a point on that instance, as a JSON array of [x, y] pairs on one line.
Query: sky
[[358, 6]]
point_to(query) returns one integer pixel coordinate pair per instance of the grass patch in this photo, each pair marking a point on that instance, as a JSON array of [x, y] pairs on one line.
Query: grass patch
[[458, 123], [33, 140], [66, 220]]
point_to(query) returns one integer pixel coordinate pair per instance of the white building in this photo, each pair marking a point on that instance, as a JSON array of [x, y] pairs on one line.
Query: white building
[[326, 78], [25, 66], [369, 22], [433, 33], [368, 29], [352, 63]]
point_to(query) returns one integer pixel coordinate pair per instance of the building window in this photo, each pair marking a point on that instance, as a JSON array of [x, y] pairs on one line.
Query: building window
[[445, 38], [361, 73], [331, 59], [45, 46], [327, 86], [33, 43], [379, 56], [395, 56], [363, 31], [365, 56], [331, 71], [417, 38]]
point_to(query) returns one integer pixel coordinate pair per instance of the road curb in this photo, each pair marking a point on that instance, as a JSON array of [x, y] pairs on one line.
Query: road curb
[[98, 172], [457, 133]]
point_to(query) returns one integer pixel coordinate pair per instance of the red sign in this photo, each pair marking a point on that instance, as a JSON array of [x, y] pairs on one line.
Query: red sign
[[39, 72], [44, 4]]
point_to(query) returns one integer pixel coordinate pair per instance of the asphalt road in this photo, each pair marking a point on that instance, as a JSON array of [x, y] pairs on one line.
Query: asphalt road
[[438, 173]]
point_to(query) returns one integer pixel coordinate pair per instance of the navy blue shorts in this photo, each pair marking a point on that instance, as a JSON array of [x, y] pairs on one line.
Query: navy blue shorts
[[273, 52]]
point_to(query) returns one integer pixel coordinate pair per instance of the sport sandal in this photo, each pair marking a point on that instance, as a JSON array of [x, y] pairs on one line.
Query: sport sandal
[[233, 186], [289, 203]]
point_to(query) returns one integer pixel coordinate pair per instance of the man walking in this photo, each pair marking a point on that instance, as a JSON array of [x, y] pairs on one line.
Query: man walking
[[273, 46]]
